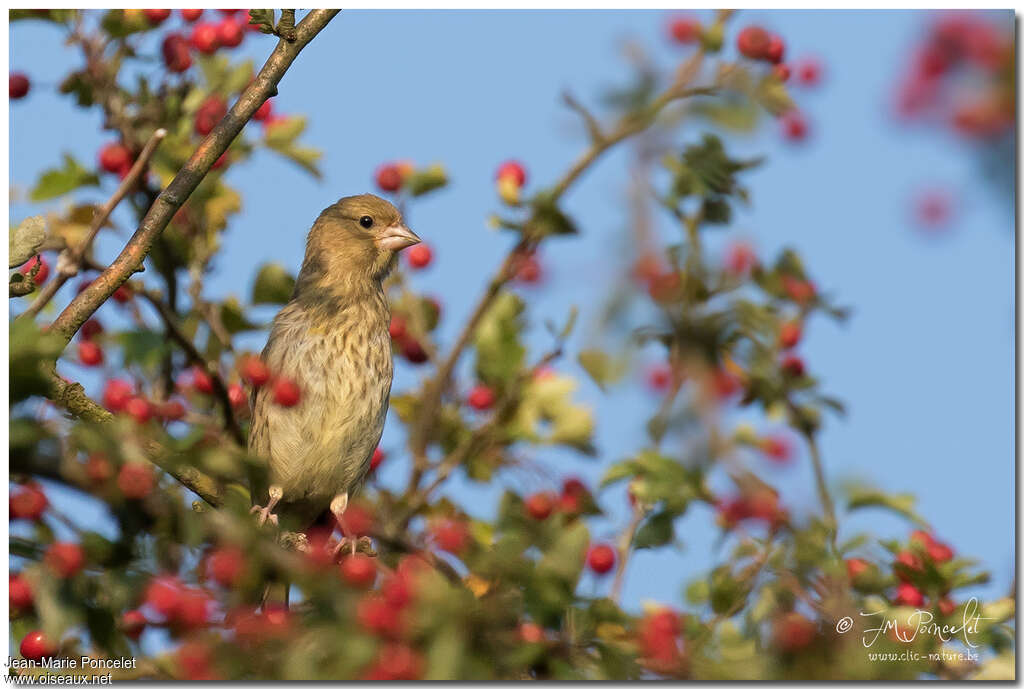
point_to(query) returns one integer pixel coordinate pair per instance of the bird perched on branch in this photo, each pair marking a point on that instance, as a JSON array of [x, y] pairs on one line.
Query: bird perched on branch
[[332, 340]]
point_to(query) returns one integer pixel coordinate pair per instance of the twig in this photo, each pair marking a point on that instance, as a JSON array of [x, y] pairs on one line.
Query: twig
[[625, 548], [819, 480], [196, 357], [591, 123], [189, 177]]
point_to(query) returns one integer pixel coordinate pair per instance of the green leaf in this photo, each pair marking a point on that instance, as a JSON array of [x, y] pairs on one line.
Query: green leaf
[[423, 181], [902, 504], [564, 559], [548, 219], [657, 530], [29, 349], [233, 317], [145, 347], [59, 181], [284, 131], [25, 239], [601, 367], [547, 414], [262, 18], [499, 352], [121, 23], [274, 285], [304, 157]]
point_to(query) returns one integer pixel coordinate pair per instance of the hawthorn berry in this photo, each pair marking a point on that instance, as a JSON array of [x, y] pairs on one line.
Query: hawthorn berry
[[413, 351], [794, 126], [397, 661], [792, 366], [123, 294], [781, 72], [135, 480], [191, 15], [906, 564], [658, 641], [194, 659], [527, 269], [513, 170], [375, 615], [684, 30], [254, 371], [800, 291], [540, 505], [98, 468], [740, 258], [808, 71], [226, 565], [37, 646], [450, 535], [90, 329], [132, 624], [776, 49], [155, 16], [229, 33], [163, 594], [388, 177], [264, 112], [396, 328], [171, 410], [64, 560], [89, 353], [940, 552], [287, 392], [792, 632], [139, 409], [908, 594], [359, 571], [777, 448], [19, 593], [481, 398], [601, 558], [419, 256], [194, 608], [789, 334], [236, 395], [202, 381], [753, 42], [376, 459], [175, 50], [856, 566], [209, 114], [531, 633], [115, 158], [946, 606], [18, 85], [27, 502], [659, 377], [41, 274]]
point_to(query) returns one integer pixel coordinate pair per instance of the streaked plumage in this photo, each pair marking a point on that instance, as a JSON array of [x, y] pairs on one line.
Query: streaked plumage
[[332, 339]]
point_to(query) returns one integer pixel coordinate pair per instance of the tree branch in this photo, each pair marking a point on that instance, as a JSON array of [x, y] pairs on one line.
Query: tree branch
[[189, 177]]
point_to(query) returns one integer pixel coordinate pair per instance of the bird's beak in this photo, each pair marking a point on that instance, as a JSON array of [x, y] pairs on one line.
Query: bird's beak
[[396, 238]]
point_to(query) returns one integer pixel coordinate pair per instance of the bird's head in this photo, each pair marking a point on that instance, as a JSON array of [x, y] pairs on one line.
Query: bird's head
[[359, 236]]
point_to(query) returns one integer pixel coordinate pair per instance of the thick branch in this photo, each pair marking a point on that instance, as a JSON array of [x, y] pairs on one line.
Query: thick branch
[[189, 177]]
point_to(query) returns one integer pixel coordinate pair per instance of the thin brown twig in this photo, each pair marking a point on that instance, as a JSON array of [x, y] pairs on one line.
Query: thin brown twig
[[625, 548], [75, 256]]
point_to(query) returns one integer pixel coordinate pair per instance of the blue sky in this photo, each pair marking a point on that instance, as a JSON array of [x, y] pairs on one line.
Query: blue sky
[[925, 364]]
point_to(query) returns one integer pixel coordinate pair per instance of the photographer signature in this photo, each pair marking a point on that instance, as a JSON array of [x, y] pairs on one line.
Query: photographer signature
[[921, 622]]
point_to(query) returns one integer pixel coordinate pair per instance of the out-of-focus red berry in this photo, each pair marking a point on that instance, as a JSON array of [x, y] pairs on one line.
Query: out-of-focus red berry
[[123, 294], [139, 409], [946, 606], [18, 85], [908, 594], [135, 480], [856, 566], [27, 502], [287, 392], [800, 291], [396, 328], [237, 396], [481, 398], [601, 558], [191, 15], [37, 646], [514, 170], [98, 468], [254, 371], [90, 329], [684, 30], [540, 505], [175, 50], [531, 633], [264, 112], [792, 365], [115, 157], [753, 42], [229, 33], [776, 49], [808, 71], [64, 560], [413, 351], [740, 258], [396, 662], [794, 126], [132, 624], [202, 381], [907, 564], [776, 448], [659, 377], [792, 632], [781, 72], [89, 353], [226, 565], [41, 274], [450, 535], [209, 114], [940, 552], [171, 410], [388, 177], [155, 16], [19, 593], [375, 615], [194, 659], [163, 594], [789, 334], [358, 571], [419, 256], [377, 458]]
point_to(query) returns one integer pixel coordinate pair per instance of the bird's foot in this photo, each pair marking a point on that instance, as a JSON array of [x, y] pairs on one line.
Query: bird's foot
[[363, 545], [295, 540], [267, 513]]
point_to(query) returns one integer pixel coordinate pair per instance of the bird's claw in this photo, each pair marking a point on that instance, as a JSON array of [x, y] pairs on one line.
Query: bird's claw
[[363, 544], [265, 515]]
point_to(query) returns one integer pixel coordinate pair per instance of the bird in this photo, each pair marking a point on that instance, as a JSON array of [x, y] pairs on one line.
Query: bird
[[331, 339]]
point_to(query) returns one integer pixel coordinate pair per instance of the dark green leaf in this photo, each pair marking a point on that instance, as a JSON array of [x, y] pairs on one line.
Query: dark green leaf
[[59, 181]]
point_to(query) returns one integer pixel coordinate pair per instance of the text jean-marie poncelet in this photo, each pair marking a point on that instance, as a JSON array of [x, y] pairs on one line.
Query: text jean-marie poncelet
[[83, 663], [922, 622]]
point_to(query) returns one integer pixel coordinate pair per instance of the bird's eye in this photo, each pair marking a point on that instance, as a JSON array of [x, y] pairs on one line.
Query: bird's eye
[[366, 221]]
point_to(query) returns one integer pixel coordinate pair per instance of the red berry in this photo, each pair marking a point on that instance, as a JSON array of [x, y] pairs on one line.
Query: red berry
[[116, 394], [413, 351], [139, 409], [29, 502], [264, 112], [37, 646], [855, 566], [908, 594], [684, 30], [133, 623], [921, 537], [19, 592], [906, 564], [90, 329], [18, 85], [659, 377], [89, 353], [194, 608], [41, 274], [396, 328], [527, 269], [933, 208], [740, 258], [776, 448], [115, 158], [388, 177], [481, 398], [946, 606], [450, 535], [202, 381], [531, 633], [540, 505], [378, 457], [397, 662], [254, 371], [753, 42], [172, 410], [512, 169], [191, 15], [789, 334], [226, 566], [123, 294], [800, 291], [940, 552], [601, 558], [792, 632], [792, 365], [776, 49], [236, 395], [808, 71], [98, 468], [248, 18], [156, 17], [65, 560], [163, 594], [230, 13], [287, 392], [229, 33], [376, 615], [794, 126], [359, 571], [209, 114], [136, 480], [419, 256], [194, 658], [176, 54], [781, 72]]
